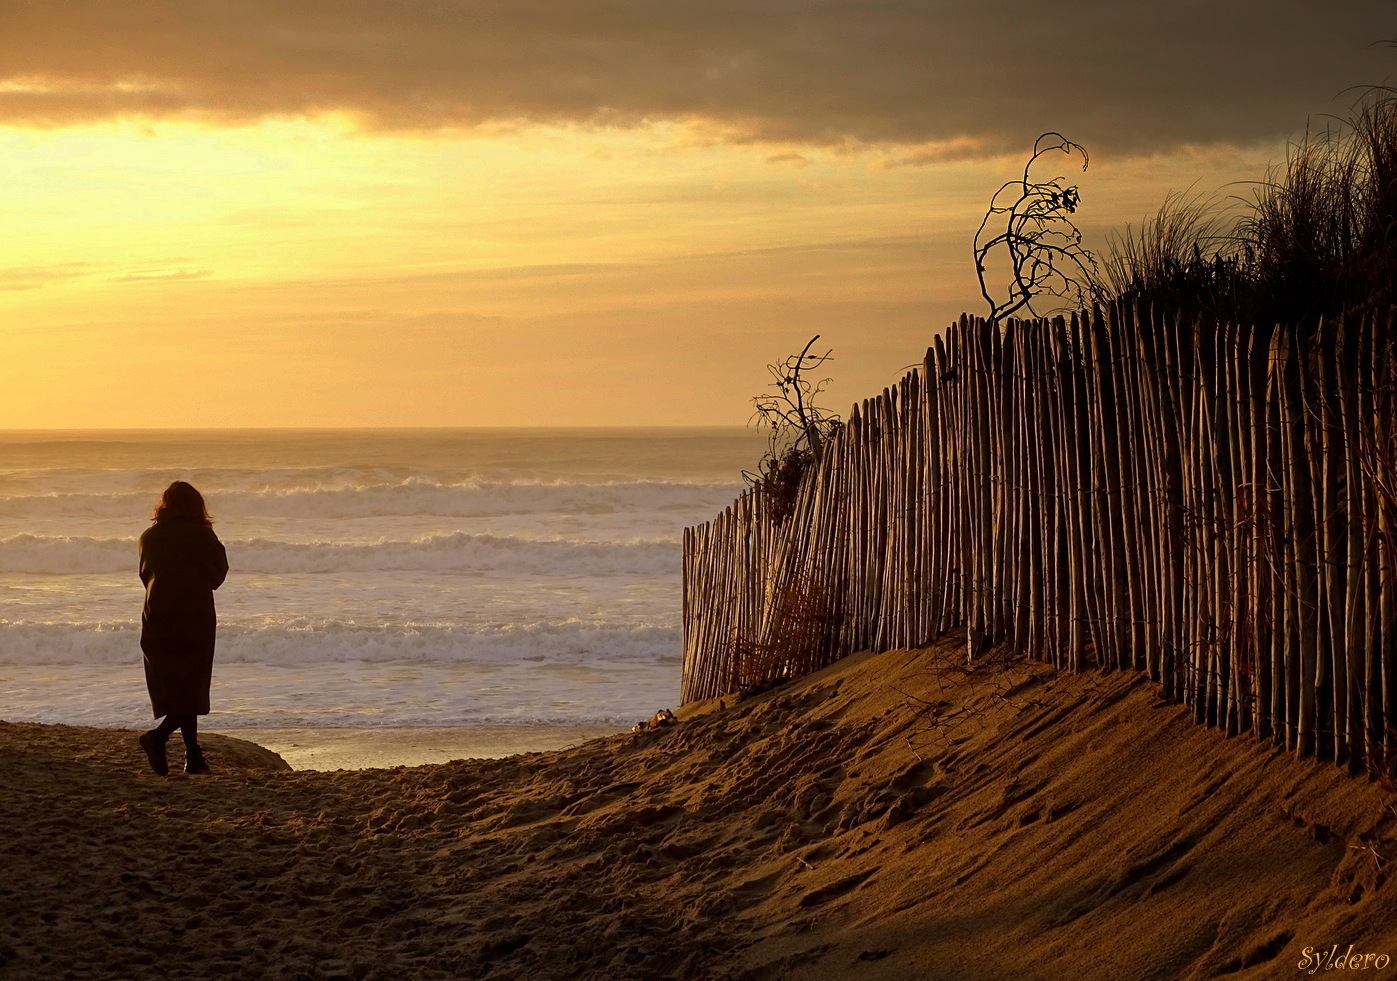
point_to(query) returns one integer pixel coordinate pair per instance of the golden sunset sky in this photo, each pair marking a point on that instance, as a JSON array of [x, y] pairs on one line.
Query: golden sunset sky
[[456, 213]]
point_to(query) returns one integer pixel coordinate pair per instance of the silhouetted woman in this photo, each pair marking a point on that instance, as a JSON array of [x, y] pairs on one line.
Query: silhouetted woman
[[182, 563]]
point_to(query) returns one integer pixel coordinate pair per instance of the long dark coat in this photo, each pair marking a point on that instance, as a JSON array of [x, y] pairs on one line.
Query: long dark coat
[[182, 563]]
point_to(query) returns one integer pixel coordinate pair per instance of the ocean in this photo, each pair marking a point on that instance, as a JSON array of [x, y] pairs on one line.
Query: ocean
[[378, 577]]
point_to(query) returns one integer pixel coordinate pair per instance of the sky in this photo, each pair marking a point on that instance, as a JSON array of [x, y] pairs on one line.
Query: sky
[[255, 213]]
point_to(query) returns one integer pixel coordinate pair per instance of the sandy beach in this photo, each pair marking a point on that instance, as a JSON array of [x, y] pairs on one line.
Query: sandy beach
[[892, 817]]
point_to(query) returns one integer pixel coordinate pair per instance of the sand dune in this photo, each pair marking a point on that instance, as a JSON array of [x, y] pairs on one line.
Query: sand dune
[[889, 818]]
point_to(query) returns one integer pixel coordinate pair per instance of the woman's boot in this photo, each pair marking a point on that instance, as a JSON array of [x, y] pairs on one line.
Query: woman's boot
[[194, 761], [153, 743]]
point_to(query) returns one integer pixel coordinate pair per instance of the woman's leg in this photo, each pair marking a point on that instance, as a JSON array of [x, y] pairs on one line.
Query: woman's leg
[[193, 755], [168, 725], [153, 742]]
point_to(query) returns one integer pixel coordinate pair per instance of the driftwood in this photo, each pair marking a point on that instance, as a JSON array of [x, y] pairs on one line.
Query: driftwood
[[661, 719]]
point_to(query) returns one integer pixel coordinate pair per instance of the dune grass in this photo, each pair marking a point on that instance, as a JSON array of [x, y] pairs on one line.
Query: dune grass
[[1315, 238]]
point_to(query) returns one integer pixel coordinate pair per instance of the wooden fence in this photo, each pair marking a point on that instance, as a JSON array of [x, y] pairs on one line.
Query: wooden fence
[[1209, 503]]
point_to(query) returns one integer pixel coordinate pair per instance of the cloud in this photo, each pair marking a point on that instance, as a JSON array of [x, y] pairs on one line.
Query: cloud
[[37, 277], [788, 160], [945, 151], [164, 276], [911, 73]]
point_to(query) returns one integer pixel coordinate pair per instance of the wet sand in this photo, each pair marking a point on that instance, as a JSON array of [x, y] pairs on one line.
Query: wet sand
[[362, 749]]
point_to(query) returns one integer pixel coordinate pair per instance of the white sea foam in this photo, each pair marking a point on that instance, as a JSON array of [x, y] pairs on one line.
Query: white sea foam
[[410, 496], [457, 552], [307, 641]]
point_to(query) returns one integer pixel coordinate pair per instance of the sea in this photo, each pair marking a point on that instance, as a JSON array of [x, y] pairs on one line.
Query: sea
[[431, 577]]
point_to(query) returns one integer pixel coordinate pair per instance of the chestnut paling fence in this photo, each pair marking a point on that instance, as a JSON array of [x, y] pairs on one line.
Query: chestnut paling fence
[[1212, 504]]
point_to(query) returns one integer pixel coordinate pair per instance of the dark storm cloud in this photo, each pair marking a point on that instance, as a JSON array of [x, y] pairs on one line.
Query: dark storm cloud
[[979, 73]]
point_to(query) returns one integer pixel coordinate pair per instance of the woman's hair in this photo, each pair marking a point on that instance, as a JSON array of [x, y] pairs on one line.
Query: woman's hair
[[181, 500]]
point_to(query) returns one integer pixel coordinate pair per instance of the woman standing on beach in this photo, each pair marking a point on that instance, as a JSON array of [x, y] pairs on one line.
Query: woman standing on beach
[[182, 563]]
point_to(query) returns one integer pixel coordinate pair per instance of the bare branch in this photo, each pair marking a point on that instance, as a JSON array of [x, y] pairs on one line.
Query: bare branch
[[1043, 246], [799, 427]]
